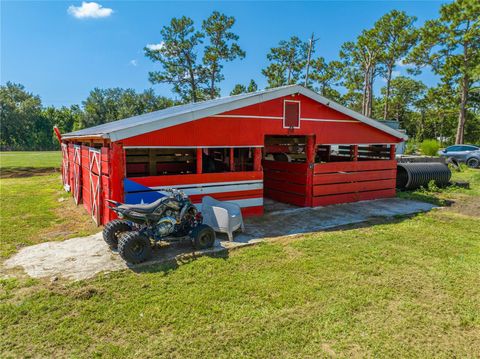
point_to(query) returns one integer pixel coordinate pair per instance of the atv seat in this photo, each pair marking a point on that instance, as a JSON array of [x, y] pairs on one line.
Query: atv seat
[[144, 208]]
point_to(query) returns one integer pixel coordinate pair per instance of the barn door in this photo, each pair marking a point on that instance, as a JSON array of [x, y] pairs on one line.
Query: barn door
[[65, 168], [95, 169], [77, 174]]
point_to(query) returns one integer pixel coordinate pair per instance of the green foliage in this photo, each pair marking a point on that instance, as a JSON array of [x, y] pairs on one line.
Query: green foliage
[[325, 76], [449, 45], [287, 62], [429, 147], [106, 105], [222, 47], [252, 86], [22, 123], [177, 54], [410, 147], [397, 36], [239, 88], [26, 125]]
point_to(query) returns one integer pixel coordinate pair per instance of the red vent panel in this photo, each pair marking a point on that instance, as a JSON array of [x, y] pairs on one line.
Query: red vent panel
[[291, 115]]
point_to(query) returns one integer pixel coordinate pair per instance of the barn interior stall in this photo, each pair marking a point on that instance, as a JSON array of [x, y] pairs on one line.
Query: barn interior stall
[[287, 144]]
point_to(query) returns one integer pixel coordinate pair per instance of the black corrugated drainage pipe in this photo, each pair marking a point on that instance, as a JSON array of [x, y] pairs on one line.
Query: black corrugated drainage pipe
[[415, 175]]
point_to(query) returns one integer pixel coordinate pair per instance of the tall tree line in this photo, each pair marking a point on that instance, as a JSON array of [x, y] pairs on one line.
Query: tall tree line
[[27, 125], [364, 77]]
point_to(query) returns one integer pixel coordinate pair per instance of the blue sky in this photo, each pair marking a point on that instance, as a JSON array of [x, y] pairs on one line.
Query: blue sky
[[61, 57]]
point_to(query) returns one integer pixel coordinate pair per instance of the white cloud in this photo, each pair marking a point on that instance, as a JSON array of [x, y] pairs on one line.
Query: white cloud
[[89, 10], [133, 62], [401, 63], [155, 47]]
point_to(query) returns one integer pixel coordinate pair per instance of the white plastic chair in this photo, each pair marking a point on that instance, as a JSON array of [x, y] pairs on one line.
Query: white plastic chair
[[225, 217]]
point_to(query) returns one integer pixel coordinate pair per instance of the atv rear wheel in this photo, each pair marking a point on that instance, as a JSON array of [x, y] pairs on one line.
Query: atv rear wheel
[[203, 236], [113, 230], [134, 247]]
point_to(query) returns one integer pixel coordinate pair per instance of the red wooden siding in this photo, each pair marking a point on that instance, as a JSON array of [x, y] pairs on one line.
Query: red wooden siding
[[340, 182], [248, 131], [88, 168], [286, 182]]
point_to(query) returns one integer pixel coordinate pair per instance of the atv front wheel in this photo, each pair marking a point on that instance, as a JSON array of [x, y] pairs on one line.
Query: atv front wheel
[[203, 236], [134, 248], [113, 230]]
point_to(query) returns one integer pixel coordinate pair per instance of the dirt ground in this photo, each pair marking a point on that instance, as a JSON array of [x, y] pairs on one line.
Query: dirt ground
[[84, 257], [469, 206]]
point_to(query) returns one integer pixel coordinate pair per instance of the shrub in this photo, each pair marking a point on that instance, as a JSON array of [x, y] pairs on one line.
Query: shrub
[[410, 147], [429, 147]]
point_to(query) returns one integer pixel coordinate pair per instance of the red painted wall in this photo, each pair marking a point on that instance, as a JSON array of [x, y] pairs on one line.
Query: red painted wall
[[219, 131]]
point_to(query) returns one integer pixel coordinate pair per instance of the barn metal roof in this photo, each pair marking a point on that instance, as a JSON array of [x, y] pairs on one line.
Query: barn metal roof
[[157, 120]]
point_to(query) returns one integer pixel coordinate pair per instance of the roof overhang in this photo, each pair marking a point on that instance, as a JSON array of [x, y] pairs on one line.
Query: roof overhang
[[151, 124]]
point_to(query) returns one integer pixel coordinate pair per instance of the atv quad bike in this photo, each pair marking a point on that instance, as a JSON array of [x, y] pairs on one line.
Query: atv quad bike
[[170, 218]]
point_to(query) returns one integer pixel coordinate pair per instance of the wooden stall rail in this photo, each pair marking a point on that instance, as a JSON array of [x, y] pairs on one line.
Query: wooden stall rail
[[353, 181], [243, 188], [286, 182]]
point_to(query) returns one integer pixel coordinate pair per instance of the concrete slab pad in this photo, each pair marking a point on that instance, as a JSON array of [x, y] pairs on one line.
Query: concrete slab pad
[[84, 257]]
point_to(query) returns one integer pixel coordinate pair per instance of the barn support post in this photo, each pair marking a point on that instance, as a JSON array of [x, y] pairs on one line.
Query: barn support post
[[199, 160], [355, 153], [152, 161], [310, 158], [232, 159], [257, 159], [117, 173], [392, 152]]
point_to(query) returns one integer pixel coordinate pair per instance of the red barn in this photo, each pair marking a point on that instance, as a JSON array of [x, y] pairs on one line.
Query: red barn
[[289, 144]]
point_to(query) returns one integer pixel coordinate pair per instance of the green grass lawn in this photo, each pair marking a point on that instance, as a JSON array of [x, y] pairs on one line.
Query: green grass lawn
[[404, 288], [45, 159], [37, 209]]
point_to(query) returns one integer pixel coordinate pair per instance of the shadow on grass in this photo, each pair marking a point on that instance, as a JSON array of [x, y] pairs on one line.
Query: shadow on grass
[[423, 196], [168, 258], [15, 172]]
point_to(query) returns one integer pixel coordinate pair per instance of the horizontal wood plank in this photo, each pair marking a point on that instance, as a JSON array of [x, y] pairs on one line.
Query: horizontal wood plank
[[352, 197], [354, 166], [284, 186], [347, 177], [285, 166], [284, 197], [298, 178], [171, 180], [321, 190]]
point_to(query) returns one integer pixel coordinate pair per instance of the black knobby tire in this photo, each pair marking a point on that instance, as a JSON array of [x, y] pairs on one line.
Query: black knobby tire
[[203, 236], [113, 230], [473, 162], [134, 248]]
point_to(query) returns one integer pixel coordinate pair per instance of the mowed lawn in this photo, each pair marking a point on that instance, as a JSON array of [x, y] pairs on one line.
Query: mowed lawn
[[41, 159], [404, 288]]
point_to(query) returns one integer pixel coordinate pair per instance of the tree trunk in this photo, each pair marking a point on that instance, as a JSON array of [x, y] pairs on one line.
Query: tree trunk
[[369, 93], [365, 92], [387, 94], [463, 100], [462, 113], [212, 85]]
